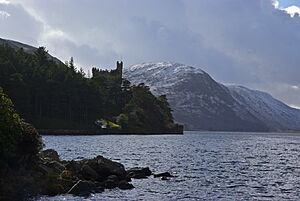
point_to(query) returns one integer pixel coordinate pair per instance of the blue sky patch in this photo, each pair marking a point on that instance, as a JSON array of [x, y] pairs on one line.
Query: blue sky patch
[[287, 3]]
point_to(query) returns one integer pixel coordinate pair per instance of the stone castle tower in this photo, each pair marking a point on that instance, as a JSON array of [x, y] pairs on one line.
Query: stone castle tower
[[120, 68]]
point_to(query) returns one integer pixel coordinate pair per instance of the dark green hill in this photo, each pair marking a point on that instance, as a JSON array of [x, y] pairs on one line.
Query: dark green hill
[[52, 95]]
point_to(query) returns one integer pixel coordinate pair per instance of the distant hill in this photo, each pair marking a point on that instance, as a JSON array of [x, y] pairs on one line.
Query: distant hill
[[27, 48], [201, 103], [272, 112]]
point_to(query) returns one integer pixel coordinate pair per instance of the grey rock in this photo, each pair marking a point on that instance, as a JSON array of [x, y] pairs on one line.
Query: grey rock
[[164, 174], [139, 173], [110, 184], [44, 169], [124, 185], [74, 166], [89, 173], [113, 178], [66, 183], [56, 165], [105, 167], [49, 154], [82, 188]]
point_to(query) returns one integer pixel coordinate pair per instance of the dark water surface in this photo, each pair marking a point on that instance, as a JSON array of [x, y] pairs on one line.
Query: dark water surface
[[209, 166]]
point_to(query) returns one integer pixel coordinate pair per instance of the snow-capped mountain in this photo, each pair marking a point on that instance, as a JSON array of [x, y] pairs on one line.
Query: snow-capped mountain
[[272, 112], [199, 102], [161, 75]]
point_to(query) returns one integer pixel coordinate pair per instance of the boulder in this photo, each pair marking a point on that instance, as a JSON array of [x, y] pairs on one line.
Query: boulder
[[124, 185], [56, 165], [53, 189], [105, 167], [74, 166], [113, 178], [86, 176], [50, 154], [138, 173], [163, 175], [99, 189], [83, 188], [89, 173], [110, 184], [45, 170], [67, 174], [66, 184]]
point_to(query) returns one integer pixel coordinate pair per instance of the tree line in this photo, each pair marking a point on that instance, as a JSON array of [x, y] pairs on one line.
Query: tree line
[[55, 95]]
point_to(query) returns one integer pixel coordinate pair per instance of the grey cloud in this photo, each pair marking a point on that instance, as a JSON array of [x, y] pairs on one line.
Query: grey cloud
[[19, 25], [259, 40], [82, 54], [236, 41]]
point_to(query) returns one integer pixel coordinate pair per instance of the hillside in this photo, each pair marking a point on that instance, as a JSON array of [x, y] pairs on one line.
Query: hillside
[[53, 95], [26, 48], [273, 113], [201, 103]]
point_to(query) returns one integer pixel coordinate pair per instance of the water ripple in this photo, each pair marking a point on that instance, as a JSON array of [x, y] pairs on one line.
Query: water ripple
[[208, 166]]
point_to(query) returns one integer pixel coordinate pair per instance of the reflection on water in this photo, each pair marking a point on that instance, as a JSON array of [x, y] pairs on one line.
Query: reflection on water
[[209, 166]]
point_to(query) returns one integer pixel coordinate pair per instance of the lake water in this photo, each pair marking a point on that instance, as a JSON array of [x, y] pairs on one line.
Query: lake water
[[208, 166]]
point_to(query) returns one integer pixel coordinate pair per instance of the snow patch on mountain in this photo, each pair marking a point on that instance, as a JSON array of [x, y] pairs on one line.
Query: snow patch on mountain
[[160, 76], [166, 67], [200, 102], [266, 108]]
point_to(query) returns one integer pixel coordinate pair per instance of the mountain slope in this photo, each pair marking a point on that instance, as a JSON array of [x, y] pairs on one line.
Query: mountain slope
[[27, 48], [272, 112], [200, 102], [197, 100]]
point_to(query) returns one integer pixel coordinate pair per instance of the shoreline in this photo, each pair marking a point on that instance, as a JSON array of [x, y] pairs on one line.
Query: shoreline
[[69, 132], [64, 132], [245, 132]]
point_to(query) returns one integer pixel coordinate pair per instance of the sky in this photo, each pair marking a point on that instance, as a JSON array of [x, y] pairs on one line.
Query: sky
[[251, 43], [287, 3]]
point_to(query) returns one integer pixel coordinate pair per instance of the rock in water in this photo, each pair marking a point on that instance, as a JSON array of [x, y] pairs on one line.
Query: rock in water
[[89, 173], [74, 166], [111, 182], [82, 188], [105, 167], [56, 165], [124, 185], [138, 173], [163, 175], [49, 154]]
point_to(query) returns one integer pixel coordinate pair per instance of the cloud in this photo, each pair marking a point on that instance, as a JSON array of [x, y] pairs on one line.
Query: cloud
[[17, 24], [4, 14], [251, 43], [292, 10], [82, 53], [276, 4], [4, 2], [289, 7]]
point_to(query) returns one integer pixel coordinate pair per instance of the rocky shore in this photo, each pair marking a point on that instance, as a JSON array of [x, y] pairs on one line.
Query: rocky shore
[[27, 171], [51, 176], [85, 176]]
